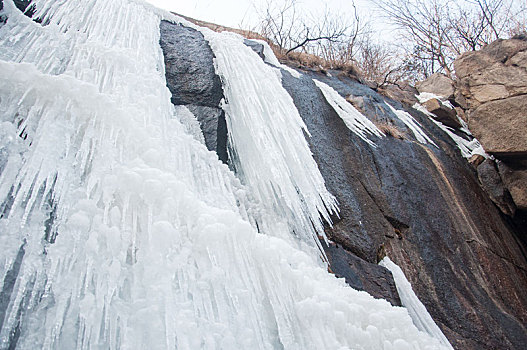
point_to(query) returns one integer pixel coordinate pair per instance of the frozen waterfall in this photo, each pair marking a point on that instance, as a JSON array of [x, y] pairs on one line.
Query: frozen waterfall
[[120, 230]]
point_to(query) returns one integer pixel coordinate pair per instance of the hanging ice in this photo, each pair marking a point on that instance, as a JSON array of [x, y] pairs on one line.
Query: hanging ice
[[417, 310], [119, 230], [469, 145], [354, 120], [412, 124], [271, 154]]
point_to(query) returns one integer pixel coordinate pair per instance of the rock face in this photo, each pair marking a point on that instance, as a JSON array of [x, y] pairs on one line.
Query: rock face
[[492, 86], [501, 126], [514, 174], [420, 204], [492, 83], [424, 205], [437, 84], [191, 79]]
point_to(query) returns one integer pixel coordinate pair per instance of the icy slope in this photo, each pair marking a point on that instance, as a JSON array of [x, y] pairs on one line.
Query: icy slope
[[120, 230]]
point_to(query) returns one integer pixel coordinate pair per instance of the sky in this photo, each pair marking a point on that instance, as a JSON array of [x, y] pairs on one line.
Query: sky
[[241, 13]]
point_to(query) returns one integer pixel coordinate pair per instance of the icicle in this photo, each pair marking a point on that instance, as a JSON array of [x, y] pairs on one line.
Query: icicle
[[354, 120], [416, 309], [154, 241]]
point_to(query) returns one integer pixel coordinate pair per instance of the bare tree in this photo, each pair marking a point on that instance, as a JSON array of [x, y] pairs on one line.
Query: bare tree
[[435, 32], [328, 35]]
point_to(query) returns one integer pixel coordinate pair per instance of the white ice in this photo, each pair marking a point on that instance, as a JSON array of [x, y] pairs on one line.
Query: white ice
[[359, 124], [416, 309], [134, 235], [468, 148], [270, 150], [413, 125]]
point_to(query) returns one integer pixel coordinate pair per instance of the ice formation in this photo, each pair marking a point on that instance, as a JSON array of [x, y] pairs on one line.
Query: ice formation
[[416, 309], [354, 120], [468, 146], [120, 230], [412, 124]]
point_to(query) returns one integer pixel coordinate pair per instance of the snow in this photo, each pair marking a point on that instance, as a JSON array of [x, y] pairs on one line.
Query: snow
[[416, 309], [359, 124], [124, 232], [412, 124]]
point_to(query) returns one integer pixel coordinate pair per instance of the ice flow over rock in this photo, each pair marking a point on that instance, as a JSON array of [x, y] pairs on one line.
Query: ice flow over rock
[[119, 230]]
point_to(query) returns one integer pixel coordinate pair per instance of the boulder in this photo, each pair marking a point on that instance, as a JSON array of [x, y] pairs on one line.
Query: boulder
[[495, 72], [492, 184], [501, 126], [443, 113], [437, 84]]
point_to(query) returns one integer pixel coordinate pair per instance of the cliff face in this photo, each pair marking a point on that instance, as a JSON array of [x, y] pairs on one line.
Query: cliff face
[[408, 194]]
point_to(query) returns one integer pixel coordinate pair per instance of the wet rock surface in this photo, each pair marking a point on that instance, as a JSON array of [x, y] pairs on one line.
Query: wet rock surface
[[362, 275], [425, 206], [193, 82], [421, 204]]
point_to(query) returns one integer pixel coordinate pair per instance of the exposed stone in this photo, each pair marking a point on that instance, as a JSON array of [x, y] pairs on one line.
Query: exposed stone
[[256, 47], [495, 72], [476, 160], [461, 114], [485, 93], [438, 84], [442, 113], [189, 70], [492, 184], [501, 126], [514, 175], [214, 127], [426, 207], [193, 82], [362, 275], [403, 92], [473, 62]]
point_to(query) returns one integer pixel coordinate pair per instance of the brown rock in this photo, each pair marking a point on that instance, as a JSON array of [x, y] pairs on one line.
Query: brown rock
[[490, 92], [476, 160], [514, 175], [461, 114], [501, 126], [402, 92], [492, 184], [499, 51], [438, 84], [495, 72], [442, 113]]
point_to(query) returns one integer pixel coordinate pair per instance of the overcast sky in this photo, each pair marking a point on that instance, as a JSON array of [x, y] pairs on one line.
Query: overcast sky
[[233, 13]]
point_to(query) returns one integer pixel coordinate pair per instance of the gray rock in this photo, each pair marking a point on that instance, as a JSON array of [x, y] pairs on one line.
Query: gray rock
[[256, 47], [193, 82], [492, 184], [426, 207], [362, 275], [189, 67], [214, 128]]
